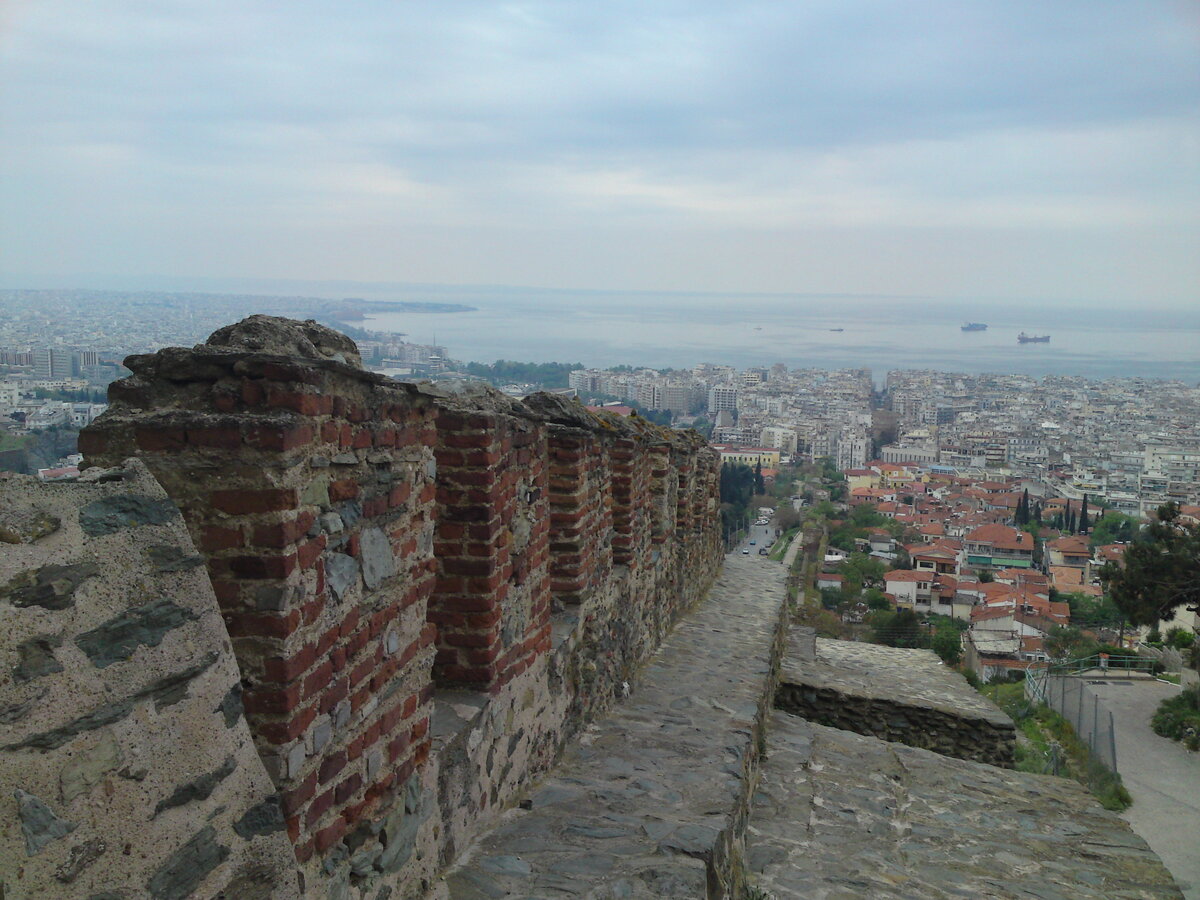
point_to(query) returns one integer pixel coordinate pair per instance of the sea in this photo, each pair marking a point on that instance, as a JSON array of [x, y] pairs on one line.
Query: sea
[[680, 330]]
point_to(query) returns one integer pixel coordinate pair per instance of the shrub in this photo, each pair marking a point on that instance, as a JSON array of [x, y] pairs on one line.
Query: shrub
[[1180, 639], [1178, 718]]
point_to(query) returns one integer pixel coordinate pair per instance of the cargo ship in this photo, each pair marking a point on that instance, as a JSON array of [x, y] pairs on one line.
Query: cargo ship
[[1024, 338], [975, 326]]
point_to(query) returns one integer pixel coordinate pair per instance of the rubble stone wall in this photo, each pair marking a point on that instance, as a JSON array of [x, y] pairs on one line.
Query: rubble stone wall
[[128, 767], [387, 554], [964, 736]]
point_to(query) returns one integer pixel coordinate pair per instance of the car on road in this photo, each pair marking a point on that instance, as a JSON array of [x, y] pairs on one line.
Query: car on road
[[762, 551], [752, 543], [745, 551]]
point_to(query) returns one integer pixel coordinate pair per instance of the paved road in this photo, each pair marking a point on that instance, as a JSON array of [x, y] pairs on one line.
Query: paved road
[[1162, 777]]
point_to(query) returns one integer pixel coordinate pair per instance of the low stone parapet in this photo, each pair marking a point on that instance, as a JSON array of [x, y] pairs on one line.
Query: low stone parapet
[[893, 694], [842, 815]]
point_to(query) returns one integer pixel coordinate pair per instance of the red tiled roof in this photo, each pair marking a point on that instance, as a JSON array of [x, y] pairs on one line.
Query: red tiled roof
[[907, 575], [1001, 537], [1073, 543]]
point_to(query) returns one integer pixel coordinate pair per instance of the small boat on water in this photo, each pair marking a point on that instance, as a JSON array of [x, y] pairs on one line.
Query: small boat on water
[[837, 329], [1024, 338], [975, 326]]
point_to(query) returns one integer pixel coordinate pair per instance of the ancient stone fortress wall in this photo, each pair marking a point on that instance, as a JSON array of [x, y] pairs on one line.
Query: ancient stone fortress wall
[[424, 591], [127, 765], [893, 694]]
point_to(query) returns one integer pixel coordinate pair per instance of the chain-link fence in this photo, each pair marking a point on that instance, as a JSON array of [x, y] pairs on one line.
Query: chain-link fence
[[1072, 698]]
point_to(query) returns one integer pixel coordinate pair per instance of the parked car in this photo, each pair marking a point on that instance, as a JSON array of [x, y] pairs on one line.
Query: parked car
[[763, 551]]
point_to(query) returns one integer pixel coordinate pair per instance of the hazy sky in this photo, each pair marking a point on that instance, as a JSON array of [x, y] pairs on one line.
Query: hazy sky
[[1018, 148]]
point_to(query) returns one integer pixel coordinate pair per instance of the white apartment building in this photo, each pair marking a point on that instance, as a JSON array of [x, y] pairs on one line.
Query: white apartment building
[[781, 438], [722, 397]]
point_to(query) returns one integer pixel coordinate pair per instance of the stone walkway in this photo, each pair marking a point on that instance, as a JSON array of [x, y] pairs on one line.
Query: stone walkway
[[653, 799], [839, 815]]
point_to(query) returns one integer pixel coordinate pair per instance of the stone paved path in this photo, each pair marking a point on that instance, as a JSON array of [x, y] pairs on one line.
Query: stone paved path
[[839, 815], [648, 803]]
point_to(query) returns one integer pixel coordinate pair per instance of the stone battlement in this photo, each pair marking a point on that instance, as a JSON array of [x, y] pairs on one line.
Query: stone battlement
[[384, 558]]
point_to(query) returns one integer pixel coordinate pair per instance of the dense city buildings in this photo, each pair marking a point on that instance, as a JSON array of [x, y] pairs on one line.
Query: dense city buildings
[[1129, 444]]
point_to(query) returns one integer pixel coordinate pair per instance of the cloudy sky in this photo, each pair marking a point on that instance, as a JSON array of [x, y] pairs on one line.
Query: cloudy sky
[[1017, 148]]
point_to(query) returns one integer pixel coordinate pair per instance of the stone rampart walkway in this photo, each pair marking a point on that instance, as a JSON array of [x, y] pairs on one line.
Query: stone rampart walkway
[[840, 815], [652, 801], [655, 799]]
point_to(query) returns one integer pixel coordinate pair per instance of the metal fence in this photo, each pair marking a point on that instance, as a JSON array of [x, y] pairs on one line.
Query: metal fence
[[1072, 698]]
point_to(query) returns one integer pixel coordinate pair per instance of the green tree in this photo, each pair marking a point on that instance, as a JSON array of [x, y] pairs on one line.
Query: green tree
[[1112, 527], [862, 571], [876, 600], [1092, 612], [1180, 639], [831, 597], [1022, 514], [787, 517], [1083, 517], [1160, 574], [947, 643], [1065, 642], [899, 629], [505, 371]]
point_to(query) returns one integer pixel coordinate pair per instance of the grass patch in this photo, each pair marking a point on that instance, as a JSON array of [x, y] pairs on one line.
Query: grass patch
[[780, 547], [1048, 745], [11, 441]]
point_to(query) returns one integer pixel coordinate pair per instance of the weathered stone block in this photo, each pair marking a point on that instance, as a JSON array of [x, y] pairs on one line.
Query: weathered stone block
[[39, 824], [147, 625]]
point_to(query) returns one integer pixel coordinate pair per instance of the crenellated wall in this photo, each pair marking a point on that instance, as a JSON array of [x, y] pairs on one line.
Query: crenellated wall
[[426, 590]]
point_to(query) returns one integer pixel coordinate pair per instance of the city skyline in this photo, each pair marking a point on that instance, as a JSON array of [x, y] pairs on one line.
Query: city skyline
[[1000, 150]]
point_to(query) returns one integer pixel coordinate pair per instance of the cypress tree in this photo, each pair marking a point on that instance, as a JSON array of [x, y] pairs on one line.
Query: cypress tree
[[1083, 517]]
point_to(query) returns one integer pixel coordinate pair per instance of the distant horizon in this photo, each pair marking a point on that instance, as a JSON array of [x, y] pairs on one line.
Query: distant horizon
[[680, 329], [341, 289]]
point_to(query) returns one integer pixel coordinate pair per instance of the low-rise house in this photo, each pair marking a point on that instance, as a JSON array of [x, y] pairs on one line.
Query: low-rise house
[[908, 587], [1023, 578], [1070, 550], [997, 547], [830, 580], [882, 542], [942, 558]]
